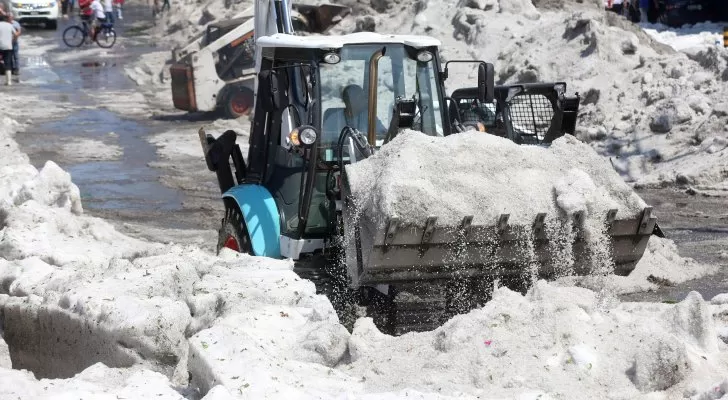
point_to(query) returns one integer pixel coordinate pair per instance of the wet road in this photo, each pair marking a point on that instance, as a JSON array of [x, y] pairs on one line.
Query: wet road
[[699, 226], [123, 186]]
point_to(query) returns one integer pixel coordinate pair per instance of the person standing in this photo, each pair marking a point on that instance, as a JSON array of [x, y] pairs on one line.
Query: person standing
[[16, 26], [7, 34], [109, 11], [645, 9], [165, 5], [616, 6], [118, 4]]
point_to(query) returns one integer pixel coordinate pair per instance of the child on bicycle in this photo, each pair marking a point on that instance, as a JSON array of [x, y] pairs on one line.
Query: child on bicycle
[[100, 14], [86, 13]]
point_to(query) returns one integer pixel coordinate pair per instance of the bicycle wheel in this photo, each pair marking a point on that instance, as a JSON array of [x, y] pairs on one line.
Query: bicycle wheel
[[106, 38], [74, 36]]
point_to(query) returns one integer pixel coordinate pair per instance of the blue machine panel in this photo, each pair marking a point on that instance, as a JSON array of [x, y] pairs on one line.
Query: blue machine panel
[[261, 218]]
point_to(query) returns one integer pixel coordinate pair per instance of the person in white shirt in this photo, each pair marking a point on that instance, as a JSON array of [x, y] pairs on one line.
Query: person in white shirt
[[16, 49], [109, 10], [7, 35], [99, 16]]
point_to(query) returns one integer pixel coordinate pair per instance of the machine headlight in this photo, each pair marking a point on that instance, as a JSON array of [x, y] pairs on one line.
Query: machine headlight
[[17, 5], [303, 136], [308, 136], [424, 56], [332, 58]]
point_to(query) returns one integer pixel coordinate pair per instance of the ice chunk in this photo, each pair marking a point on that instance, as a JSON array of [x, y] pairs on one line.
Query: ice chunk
[[692, 319]]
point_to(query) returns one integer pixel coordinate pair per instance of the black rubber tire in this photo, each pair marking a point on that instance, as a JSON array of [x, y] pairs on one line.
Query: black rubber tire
[[52, 25], [72, 34], [238, 102], [380, 308], [233, 228], [106, 38]]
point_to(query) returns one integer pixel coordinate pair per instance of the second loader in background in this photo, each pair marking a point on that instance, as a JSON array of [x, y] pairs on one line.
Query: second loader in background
[[216, 70]]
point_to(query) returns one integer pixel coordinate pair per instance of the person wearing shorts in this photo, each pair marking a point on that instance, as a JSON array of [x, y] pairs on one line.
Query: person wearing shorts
[[99, 15]]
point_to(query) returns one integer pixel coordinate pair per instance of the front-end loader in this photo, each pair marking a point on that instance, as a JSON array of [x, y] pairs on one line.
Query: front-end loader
[[323, 102]]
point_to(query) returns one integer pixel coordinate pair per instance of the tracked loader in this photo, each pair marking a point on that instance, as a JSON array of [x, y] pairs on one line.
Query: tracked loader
[[325, 102]]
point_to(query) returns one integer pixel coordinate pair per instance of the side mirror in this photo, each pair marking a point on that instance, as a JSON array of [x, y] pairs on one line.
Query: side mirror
[[486, 82]]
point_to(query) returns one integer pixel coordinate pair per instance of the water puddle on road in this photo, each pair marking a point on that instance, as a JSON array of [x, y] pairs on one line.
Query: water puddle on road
[[126, 182], [106, 153]]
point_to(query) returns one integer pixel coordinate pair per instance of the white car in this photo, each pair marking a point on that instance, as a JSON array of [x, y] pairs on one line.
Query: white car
[[36, 11]]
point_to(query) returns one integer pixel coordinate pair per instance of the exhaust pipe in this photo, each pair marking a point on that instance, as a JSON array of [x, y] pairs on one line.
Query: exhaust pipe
[[283, 17], [373, 78]]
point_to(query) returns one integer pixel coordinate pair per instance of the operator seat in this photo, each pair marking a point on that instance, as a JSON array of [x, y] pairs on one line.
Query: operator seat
[[333, 122], [334, 119]]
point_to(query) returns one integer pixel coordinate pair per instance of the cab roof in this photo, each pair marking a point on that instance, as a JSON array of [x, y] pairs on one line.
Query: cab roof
[[336, 42]]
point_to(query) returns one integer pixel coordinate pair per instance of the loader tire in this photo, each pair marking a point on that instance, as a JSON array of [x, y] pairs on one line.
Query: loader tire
[[233, 233], [238, 102]]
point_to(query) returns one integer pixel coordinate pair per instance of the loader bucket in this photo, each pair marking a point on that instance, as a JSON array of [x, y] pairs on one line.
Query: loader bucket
[[391, 252], [320, 18]]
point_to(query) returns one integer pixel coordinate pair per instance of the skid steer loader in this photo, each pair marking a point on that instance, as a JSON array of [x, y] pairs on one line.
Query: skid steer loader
[[215, 70], [290, 198]]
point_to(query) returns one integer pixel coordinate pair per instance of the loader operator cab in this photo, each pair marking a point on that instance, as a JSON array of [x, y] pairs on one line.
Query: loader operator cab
[[234, 59], [345, 87]]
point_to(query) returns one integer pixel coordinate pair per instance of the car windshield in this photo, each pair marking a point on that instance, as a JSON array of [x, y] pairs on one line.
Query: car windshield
[[399, 75]]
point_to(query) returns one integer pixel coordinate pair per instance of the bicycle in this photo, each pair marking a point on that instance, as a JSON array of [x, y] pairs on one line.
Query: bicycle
[[75, 35]]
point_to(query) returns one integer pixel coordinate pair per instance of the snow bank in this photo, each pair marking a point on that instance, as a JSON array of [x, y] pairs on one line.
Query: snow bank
[[74, 292], [704, 34], [237, 326], [555, 342], [95, 382], [415, 176]]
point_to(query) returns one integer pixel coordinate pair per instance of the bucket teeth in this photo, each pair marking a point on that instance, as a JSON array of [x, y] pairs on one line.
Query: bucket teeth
[[502, 225], [427, 235], [611, 216], [644, 228], [391, 231], [578, 219], [465, 226], [538, 226], [429, 230]]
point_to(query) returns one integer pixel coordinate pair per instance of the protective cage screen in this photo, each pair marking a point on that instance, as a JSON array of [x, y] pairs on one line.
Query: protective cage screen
[[531, 116]]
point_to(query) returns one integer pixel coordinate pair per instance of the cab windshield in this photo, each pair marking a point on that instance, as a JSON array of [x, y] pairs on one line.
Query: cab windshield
[[345, 88]]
